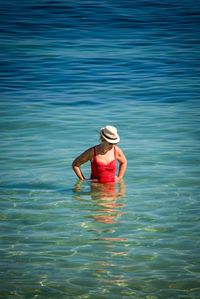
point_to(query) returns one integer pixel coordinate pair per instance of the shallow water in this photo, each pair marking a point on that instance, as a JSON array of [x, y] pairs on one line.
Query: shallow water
[[67, 70]]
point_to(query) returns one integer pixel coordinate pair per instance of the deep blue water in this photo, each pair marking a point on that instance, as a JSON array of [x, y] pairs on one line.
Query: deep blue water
[[66, 51], [67, 69]]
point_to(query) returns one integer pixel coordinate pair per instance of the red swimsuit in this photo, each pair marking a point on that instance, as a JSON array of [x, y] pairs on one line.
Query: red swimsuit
[[104, 173]]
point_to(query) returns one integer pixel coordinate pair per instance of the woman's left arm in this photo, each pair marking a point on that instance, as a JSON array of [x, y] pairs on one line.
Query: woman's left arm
[[122, 163]]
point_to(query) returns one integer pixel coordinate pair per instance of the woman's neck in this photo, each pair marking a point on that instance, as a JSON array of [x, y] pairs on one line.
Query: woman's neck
[[104, 148]]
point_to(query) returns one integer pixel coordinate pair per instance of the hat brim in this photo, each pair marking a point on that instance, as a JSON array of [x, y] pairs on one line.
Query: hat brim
[[113, 141]]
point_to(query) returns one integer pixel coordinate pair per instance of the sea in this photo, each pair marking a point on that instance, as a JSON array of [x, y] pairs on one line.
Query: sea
[[69, 68]]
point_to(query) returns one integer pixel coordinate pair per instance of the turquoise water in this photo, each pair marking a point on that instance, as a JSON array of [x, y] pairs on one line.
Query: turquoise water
[[63, 239], [67, 69]]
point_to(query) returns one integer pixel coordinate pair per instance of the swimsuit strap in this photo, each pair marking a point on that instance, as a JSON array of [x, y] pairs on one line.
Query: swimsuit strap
[[95, 153]]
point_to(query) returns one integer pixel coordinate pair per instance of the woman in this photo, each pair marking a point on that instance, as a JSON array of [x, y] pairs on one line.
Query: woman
[[103, 158]]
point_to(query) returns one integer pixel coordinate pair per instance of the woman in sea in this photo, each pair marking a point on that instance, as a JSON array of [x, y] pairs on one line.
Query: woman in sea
[[103, 158]]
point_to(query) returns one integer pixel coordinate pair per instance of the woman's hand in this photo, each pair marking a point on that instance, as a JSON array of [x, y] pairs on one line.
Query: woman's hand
[[118, 179]]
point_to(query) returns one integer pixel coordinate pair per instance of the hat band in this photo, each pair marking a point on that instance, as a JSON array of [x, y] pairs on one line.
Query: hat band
[[108, 136]]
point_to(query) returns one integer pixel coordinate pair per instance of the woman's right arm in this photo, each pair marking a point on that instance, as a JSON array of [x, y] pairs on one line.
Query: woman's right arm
[[83, 158]]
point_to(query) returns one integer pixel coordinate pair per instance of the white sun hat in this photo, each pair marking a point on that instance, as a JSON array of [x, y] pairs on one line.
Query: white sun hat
[[109, 133]]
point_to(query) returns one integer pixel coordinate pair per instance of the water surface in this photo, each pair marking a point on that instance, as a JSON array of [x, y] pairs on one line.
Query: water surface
[[67, 69]]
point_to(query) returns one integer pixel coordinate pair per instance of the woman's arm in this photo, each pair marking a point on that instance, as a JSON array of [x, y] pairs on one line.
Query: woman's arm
[[122, 163], [83, 158]]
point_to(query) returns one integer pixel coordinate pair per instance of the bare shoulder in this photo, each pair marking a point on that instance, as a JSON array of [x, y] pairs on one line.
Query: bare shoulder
[[84, 156], [119, 153], [118, 150], [89, 153]]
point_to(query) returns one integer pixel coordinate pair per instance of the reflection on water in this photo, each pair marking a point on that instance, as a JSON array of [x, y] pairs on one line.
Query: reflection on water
[[105, 198], [107, 205]]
